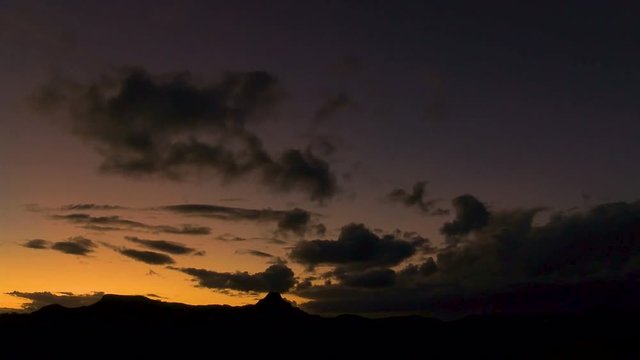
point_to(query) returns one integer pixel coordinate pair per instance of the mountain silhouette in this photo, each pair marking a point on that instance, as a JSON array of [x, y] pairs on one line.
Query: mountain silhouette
[[125, 326], [274, 301]]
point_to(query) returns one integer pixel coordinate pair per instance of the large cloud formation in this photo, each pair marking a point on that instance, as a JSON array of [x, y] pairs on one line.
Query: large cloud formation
[[503, 261], [276, 278], [170, 125]]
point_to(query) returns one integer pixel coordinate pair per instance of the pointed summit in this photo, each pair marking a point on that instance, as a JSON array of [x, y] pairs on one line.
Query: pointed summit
[[274, 301], [275, 307]]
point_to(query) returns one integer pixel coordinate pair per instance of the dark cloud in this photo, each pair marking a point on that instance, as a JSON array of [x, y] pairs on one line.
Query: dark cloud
[[170, 125], [148, 257], [230, 237], [170, 247], [66, 299], [295, 221], [37, 244], [370, 278], [320, 229], [77, 245], [88, 207], [111, 222], [182, 230], [226, 212], [332, 105], [573, 262], [471, 215], [257, 253], [422, 243], [356, 246], [427, 268], [302, 170], [276, 278], [114, 223], [417, 198]]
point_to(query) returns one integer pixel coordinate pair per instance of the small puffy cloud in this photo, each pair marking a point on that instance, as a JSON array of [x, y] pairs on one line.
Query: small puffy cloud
[[37, 244], [77, 245], [356, 246], [417, 198]]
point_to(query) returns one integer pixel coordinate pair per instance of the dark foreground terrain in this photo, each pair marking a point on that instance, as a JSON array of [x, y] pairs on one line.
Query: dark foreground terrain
[[135, 326]]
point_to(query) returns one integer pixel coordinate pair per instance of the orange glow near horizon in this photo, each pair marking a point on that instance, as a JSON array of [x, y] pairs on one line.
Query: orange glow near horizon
[[105, 270]]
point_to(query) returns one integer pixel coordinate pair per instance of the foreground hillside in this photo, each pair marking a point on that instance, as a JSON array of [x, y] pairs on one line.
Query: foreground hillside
[[134, 325]]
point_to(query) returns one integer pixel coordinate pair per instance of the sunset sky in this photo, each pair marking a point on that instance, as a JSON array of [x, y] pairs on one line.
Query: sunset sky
[[211, 151]]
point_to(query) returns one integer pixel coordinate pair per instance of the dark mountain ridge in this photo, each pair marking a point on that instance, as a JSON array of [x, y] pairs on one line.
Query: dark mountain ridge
[[139, 325]]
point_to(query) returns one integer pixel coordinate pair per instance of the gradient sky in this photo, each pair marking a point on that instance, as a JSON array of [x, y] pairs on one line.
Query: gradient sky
[[528, 104]]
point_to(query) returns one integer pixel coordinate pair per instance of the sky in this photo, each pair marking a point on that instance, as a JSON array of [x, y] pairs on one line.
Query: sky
[[415, 152]]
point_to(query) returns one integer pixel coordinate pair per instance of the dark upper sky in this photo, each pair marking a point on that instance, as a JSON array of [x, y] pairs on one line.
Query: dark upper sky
[[341, 108]]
